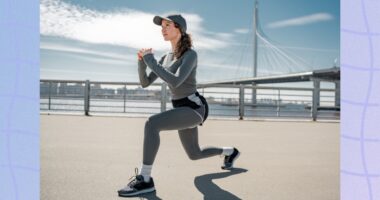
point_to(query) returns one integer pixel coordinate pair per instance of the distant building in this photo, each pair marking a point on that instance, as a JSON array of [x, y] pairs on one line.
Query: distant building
[[96, 91], [46, 89], [76, 89]]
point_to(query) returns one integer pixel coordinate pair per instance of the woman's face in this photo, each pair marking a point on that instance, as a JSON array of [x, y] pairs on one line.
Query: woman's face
[[169, 31]]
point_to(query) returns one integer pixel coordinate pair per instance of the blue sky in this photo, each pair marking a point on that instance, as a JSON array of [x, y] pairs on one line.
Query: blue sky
[[98, 40]]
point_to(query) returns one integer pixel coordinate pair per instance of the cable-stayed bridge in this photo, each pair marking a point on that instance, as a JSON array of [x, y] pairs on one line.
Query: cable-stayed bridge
[[273, 63]]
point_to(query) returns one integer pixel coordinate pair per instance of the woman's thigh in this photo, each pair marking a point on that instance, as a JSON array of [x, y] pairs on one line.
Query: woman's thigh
[[176, 119]]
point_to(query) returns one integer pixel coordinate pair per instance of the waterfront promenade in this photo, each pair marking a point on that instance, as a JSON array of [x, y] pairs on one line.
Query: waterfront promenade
[[92, 157]]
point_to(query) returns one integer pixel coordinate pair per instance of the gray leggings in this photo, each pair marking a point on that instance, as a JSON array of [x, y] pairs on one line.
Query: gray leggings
[[183, 119]]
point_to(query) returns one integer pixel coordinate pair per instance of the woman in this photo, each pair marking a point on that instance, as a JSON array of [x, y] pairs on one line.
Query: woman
[[178, 70]]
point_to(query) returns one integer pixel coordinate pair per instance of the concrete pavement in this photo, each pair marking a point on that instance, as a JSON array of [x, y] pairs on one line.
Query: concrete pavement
[[92, 157]]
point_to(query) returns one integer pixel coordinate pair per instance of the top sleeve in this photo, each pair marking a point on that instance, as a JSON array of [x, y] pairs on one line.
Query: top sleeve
[[146, 80], [189, 62]]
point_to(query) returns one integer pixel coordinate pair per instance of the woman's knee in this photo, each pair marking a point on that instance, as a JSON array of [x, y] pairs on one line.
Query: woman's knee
[[150, 125], [194, 155]]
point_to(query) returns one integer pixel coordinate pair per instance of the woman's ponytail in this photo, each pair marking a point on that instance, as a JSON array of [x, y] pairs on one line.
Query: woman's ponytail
[[184, 44]]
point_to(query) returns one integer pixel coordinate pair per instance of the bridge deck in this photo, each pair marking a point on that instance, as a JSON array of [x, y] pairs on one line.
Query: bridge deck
[[330, 74], [92, 157]]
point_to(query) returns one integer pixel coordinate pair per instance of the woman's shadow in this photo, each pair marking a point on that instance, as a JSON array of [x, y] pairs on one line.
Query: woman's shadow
[[205, 185], [210, 190]]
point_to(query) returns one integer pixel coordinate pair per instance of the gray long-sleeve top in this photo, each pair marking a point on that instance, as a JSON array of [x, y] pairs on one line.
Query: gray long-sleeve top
[[180, 75]]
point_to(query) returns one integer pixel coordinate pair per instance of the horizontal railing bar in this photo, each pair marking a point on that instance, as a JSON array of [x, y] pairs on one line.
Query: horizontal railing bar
[[100, 106], [256, 87], [62, 104], [125, 112], [59, 109], [199, 85], [230, 115]]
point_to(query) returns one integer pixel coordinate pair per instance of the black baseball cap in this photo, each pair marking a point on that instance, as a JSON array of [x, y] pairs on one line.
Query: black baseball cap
[[174, 18]]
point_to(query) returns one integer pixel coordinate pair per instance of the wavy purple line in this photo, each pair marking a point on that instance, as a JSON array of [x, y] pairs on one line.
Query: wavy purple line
[[348, 66], [363, 117], [19, 25], [359, 32], [354, 103], [21, 167], [359, 174], [11, 105], [24, 97], [21, 60], [359, 139], [21, 132]]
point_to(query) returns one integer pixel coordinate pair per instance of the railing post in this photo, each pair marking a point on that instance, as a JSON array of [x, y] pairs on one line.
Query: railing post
[[49, 95], [241, 102], [87, 98], [125, 96], [316, 98], [278, 102], [163, 97], [254, 94]]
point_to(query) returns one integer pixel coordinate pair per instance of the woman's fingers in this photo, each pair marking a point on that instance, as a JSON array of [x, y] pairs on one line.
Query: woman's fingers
[[143, 51], [140, 54]]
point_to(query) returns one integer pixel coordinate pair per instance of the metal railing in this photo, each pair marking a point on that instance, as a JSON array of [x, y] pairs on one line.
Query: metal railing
[[128, 98]]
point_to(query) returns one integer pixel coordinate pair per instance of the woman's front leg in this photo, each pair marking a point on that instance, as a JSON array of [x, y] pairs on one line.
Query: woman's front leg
[[175, 119]]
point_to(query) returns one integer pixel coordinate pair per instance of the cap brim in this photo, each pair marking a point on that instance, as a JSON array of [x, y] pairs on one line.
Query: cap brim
[[158, 20]]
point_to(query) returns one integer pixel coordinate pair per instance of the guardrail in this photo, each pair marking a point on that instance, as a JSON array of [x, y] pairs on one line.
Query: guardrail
[[224, 100]]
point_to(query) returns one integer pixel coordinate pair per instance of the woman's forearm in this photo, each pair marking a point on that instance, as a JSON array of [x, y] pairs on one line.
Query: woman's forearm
[[189, 61], [145, 80]]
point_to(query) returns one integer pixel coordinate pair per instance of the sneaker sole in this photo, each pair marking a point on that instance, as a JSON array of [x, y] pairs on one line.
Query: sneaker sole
[[233, 161], [138, 192]]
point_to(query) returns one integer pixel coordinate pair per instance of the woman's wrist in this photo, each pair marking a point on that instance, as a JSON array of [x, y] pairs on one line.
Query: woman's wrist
[[147, 57], [146, 53]]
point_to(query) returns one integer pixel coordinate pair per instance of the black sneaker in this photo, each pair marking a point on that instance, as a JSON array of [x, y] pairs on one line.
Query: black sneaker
[[137, 186], [229, 160]]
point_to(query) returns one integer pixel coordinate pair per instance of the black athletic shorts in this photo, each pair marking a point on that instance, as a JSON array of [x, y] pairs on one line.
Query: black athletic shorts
[[186, 102]]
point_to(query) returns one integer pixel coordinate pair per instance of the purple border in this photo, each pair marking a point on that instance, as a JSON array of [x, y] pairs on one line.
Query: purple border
[[19, 100], [360, 135], [19, 113]]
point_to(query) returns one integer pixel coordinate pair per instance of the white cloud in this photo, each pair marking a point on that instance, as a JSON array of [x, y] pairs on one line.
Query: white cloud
[[241, 31], [299, 21], [83, 72], [74, 49], [128, 28]]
